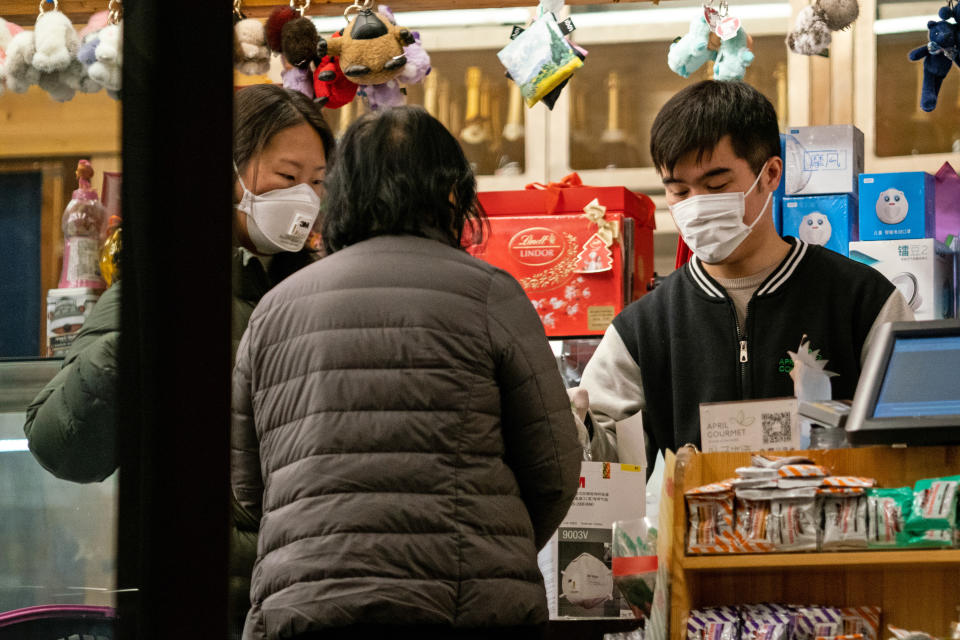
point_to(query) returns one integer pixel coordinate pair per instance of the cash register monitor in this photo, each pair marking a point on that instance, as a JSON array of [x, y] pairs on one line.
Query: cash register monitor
[[909, 389]]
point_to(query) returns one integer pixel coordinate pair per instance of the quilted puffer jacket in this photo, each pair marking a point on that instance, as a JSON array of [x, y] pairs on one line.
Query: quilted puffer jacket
[[402, 430]]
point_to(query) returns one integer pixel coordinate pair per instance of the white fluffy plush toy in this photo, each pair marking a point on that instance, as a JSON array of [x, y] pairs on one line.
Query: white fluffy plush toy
[[251, 55], [106, 70], [56, 42], [18, 69]]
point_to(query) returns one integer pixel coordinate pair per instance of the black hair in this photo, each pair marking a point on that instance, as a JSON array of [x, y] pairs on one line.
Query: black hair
[[263, 110], [399, 171], [696, 118]]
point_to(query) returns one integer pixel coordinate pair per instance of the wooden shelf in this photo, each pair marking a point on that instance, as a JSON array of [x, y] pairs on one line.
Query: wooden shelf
[[902, 559]]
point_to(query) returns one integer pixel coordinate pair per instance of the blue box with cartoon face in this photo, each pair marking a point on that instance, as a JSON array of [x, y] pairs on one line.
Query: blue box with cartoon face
[[897, 206], [828, 221]]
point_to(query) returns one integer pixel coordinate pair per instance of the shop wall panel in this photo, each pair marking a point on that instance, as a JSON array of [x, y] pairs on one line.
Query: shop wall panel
[[34, 125]]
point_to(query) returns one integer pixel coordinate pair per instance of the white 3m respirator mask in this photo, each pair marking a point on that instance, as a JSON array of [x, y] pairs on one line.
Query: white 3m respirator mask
[[587, 582], [279, 220], [712, 224]]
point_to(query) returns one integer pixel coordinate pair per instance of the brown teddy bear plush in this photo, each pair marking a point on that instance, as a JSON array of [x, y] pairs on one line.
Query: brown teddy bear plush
[[371, 48]]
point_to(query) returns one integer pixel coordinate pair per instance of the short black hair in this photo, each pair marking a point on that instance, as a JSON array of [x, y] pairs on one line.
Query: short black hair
[[696, 118], [263, 110], [399, 171]]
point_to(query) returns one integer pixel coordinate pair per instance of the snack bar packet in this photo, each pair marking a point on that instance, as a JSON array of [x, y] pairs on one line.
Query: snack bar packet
[[710, 514], [775, 462], [714, 623], [863, 621], [930, 539], [853, 482], [635, 564], [934, 504], [844, 523], [794, 524], [767, 622], [802, 471], [887, 510], [752, 516], [846, 636], [817, 621], [903, 634], [765, 473]]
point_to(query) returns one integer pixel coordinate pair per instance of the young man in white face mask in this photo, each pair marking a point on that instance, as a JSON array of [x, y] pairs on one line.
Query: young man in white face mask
[[718, 329]]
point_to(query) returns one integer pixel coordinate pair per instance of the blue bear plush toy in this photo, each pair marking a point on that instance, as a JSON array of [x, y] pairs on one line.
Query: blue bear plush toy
[[938, 55]]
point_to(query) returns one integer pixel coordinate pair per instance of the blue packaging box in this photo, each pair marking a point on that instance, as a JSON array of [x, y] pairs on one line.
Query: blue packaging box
[[897, 206], [829, 221], [777, 210], [824, 159]]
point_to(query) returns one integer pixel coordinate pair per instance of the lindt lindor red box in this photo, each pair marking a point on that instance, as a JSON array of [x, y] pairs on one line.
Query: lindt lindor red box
[[575, 281], [572, 200]]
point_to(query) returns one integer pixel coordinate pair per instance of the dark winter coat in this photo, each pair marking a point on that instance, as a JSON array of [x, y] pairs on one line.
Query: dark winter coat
[[402, 431]]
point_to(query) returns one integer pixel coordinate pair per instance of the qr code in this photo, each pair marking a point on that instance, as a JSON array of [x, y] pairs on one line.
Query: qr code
[[776, 428]]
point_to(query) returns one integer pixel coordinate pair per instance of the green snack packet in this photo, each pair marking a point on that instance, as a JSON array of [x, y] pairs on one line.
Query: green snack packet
[[934, 504], [931, 539], [887, 512]]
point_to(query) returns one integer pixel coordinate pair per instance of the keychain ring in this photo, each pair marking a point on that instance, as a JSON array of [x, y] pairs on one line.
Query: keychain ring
[[56, 6], [302, 8], [116, 11]]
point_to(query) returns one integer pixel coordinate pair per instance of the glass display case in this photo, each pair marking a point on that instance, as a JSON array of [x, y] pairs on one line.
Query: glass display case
[[57, 538]]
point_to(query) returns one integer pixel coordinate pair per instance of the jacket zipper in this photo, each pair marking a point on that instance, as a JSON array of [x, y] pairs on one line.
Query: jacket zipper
[[744, 352]]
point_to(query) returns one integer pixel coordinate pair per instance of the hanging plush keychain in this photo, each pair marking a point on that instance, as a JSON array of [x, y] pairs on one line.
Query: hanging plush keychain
[[714, 35], [294, 36], [108, 53], [376, 54], [940, 53], [251, 55], [56, 45], [815, 23], [7, 31]]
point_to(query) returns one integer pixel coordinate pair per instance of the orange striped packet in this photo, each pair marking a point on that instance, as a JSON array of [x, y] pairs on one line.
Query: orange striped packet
[[841, 491], [803, 471], [849, 481], [864, 620], [710, 519]]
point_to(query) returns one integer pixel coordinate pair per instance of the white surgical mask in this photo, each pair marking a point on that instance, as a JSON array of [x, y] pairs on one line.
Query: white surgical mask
[[587, 582], [712, 224], [281, 219]]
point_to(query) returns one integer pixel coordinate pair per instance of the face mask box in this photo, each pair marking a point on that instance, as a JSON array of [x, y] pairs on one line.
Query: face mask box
[[828, 221], [559, 199], [577, 561], [575, 282], [822, 160], [923, 271], [897, 206]]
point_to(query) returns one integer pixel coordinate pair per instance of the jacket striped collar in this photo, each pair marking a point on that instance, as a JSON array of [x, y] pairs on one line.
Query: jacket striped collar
[[773, 282]]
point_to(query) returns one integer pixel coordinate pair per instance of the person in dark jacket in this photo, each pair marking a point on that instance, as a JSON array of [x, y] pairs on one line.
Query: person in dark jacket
[[281, 146], [719, 328], [400, 426]]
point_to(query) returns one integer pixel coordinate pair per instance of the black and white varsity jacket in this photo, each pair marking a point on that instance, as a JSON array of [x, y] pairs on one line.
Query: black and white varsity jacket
[[690, 348]]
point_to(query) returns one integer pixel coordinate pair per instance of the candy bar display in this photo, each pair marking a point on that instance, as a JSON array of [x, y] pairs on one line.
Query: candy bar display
[[786, 505], [771, 621]]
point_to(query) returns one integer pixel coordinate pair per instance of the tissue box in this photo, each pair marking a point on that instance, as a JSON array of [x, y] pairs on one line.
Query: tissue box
[[577, 562], [829, 221], [576, 284], [822, 160], [921, 269], [897, 206]]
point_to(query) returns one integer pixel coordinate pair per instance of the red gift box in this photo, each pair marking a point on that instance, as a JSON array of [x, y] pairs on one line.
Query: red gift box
[[570, 197], [573, 279]]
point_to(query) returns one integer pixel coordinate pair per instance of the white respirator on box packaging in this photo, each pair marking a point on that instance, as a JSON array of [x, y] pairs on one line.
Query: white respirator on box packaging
[[587, 582]]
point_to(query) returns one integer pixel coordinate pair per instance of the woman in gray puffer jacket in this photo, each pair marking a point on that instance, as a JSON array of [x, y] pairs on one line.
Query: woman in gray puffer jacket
[[400, 425]]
